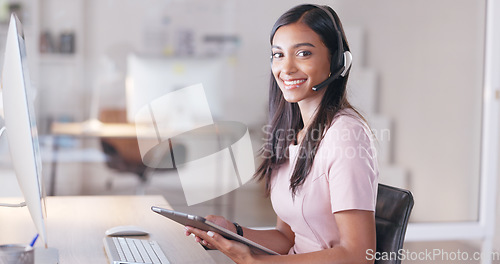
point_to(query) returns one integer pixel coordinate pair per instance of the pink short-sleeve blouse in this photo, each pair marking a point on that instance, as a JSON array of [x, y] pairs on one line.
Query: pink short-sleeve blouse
[[344, 176]]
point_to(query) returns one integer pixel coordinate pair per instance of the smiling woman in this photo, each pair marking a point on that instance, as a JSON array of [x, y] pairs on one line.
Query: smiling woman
[[322, 191], [300, 60]]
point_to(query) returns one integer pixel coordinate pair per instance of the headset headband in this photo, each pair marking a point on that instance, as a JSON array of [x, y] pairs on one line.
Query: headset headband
[[343, 59]]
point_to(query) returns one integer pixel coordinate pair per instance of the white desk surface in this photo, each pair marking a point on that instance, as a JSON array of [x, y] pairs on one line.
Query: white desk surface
[[118, 130], [115, 130], [76, 226]]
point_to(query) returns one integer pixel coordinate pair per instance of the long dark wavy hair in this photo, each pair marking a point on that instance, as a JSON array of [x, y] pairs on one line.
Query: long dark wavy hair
[[285, 120]]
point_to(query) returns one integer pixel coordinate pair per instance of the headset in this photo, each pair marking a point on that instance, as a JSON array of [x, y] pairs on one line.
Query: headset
[[339, 64]]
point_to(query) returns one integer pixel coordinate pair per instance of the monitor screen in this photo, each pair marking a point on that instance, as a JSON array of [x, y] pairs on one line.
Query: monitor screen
[[149, 78], [20, 122]]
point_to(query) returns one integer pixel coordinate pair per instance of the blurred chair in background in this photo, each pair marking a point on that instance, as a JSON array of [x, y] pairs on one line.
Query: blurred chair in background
[[123, 153]]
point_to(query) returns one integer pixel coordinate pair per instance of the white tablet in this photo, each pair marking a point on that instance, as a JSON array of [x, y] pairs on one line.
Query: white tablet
[[203, 224]]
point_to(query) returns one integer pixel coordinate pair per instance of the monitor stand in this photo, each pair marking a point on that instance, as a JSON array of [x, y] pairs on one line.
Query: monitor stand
[[46, 255]]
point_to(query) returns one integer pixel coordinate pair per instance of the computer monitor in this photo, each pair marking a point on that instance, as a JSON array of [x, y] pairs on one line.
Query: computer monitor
[[21, 126], [149, 78]]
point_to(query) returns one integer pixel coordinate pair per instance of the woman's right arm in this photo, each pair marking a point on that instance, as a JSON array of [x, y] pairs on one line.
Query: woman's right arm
[[280, 239]]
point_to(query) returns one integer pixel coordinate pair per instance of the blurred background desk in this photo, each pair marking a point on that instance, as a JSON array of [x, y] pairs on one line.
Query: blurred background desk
[[84, 129], [117, 141], [116, 146], [239, 205]]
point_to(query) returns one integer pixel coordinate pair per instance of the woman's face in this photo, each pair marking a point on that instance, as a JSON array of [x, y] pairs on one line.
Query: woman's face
[[300, 60]]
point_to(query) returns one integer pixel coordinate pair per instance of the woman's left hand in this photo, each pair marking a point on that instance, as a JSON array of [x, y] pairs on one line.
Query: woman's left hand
[[238, 252]]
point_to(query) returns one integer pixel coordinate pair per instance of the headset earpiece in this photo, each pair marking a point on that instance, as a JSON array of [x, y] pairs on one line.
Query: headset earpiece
[[339, 73], [347, 62]]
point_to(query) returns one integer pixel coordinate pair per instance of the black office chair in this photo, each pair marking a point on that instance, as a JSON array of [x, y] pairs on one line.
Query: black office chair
[[123, 154], [391, 216]]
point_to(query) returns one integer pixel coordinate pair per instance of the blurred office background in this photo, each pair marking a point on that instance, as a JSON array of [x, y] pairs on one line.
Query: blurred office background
[[417, 76]]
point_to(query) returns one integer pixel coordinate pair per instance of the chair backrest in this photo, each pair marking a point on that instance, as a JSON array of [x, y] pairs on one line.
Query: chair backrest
[[122, 153], [392, 212]]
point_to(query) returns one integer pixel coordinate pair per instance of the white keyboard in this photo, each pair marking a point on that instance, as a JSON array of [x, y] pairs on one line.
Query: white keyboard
[[121, 250]]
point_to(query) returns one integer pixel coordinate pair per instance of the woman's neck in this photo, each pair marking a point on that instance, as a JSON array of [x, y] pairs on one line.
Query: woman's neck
[[308, 110]]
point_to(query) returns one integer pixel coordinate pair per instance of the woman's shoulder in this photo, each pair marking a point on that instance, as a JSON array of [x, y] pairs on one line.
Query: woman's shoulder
[[348, 119], [347, 128]]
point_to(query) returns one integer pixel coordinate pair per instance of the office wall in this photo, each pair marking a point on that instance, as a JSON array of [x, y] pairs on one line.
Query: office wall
[[429, 55], [496, 236]]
